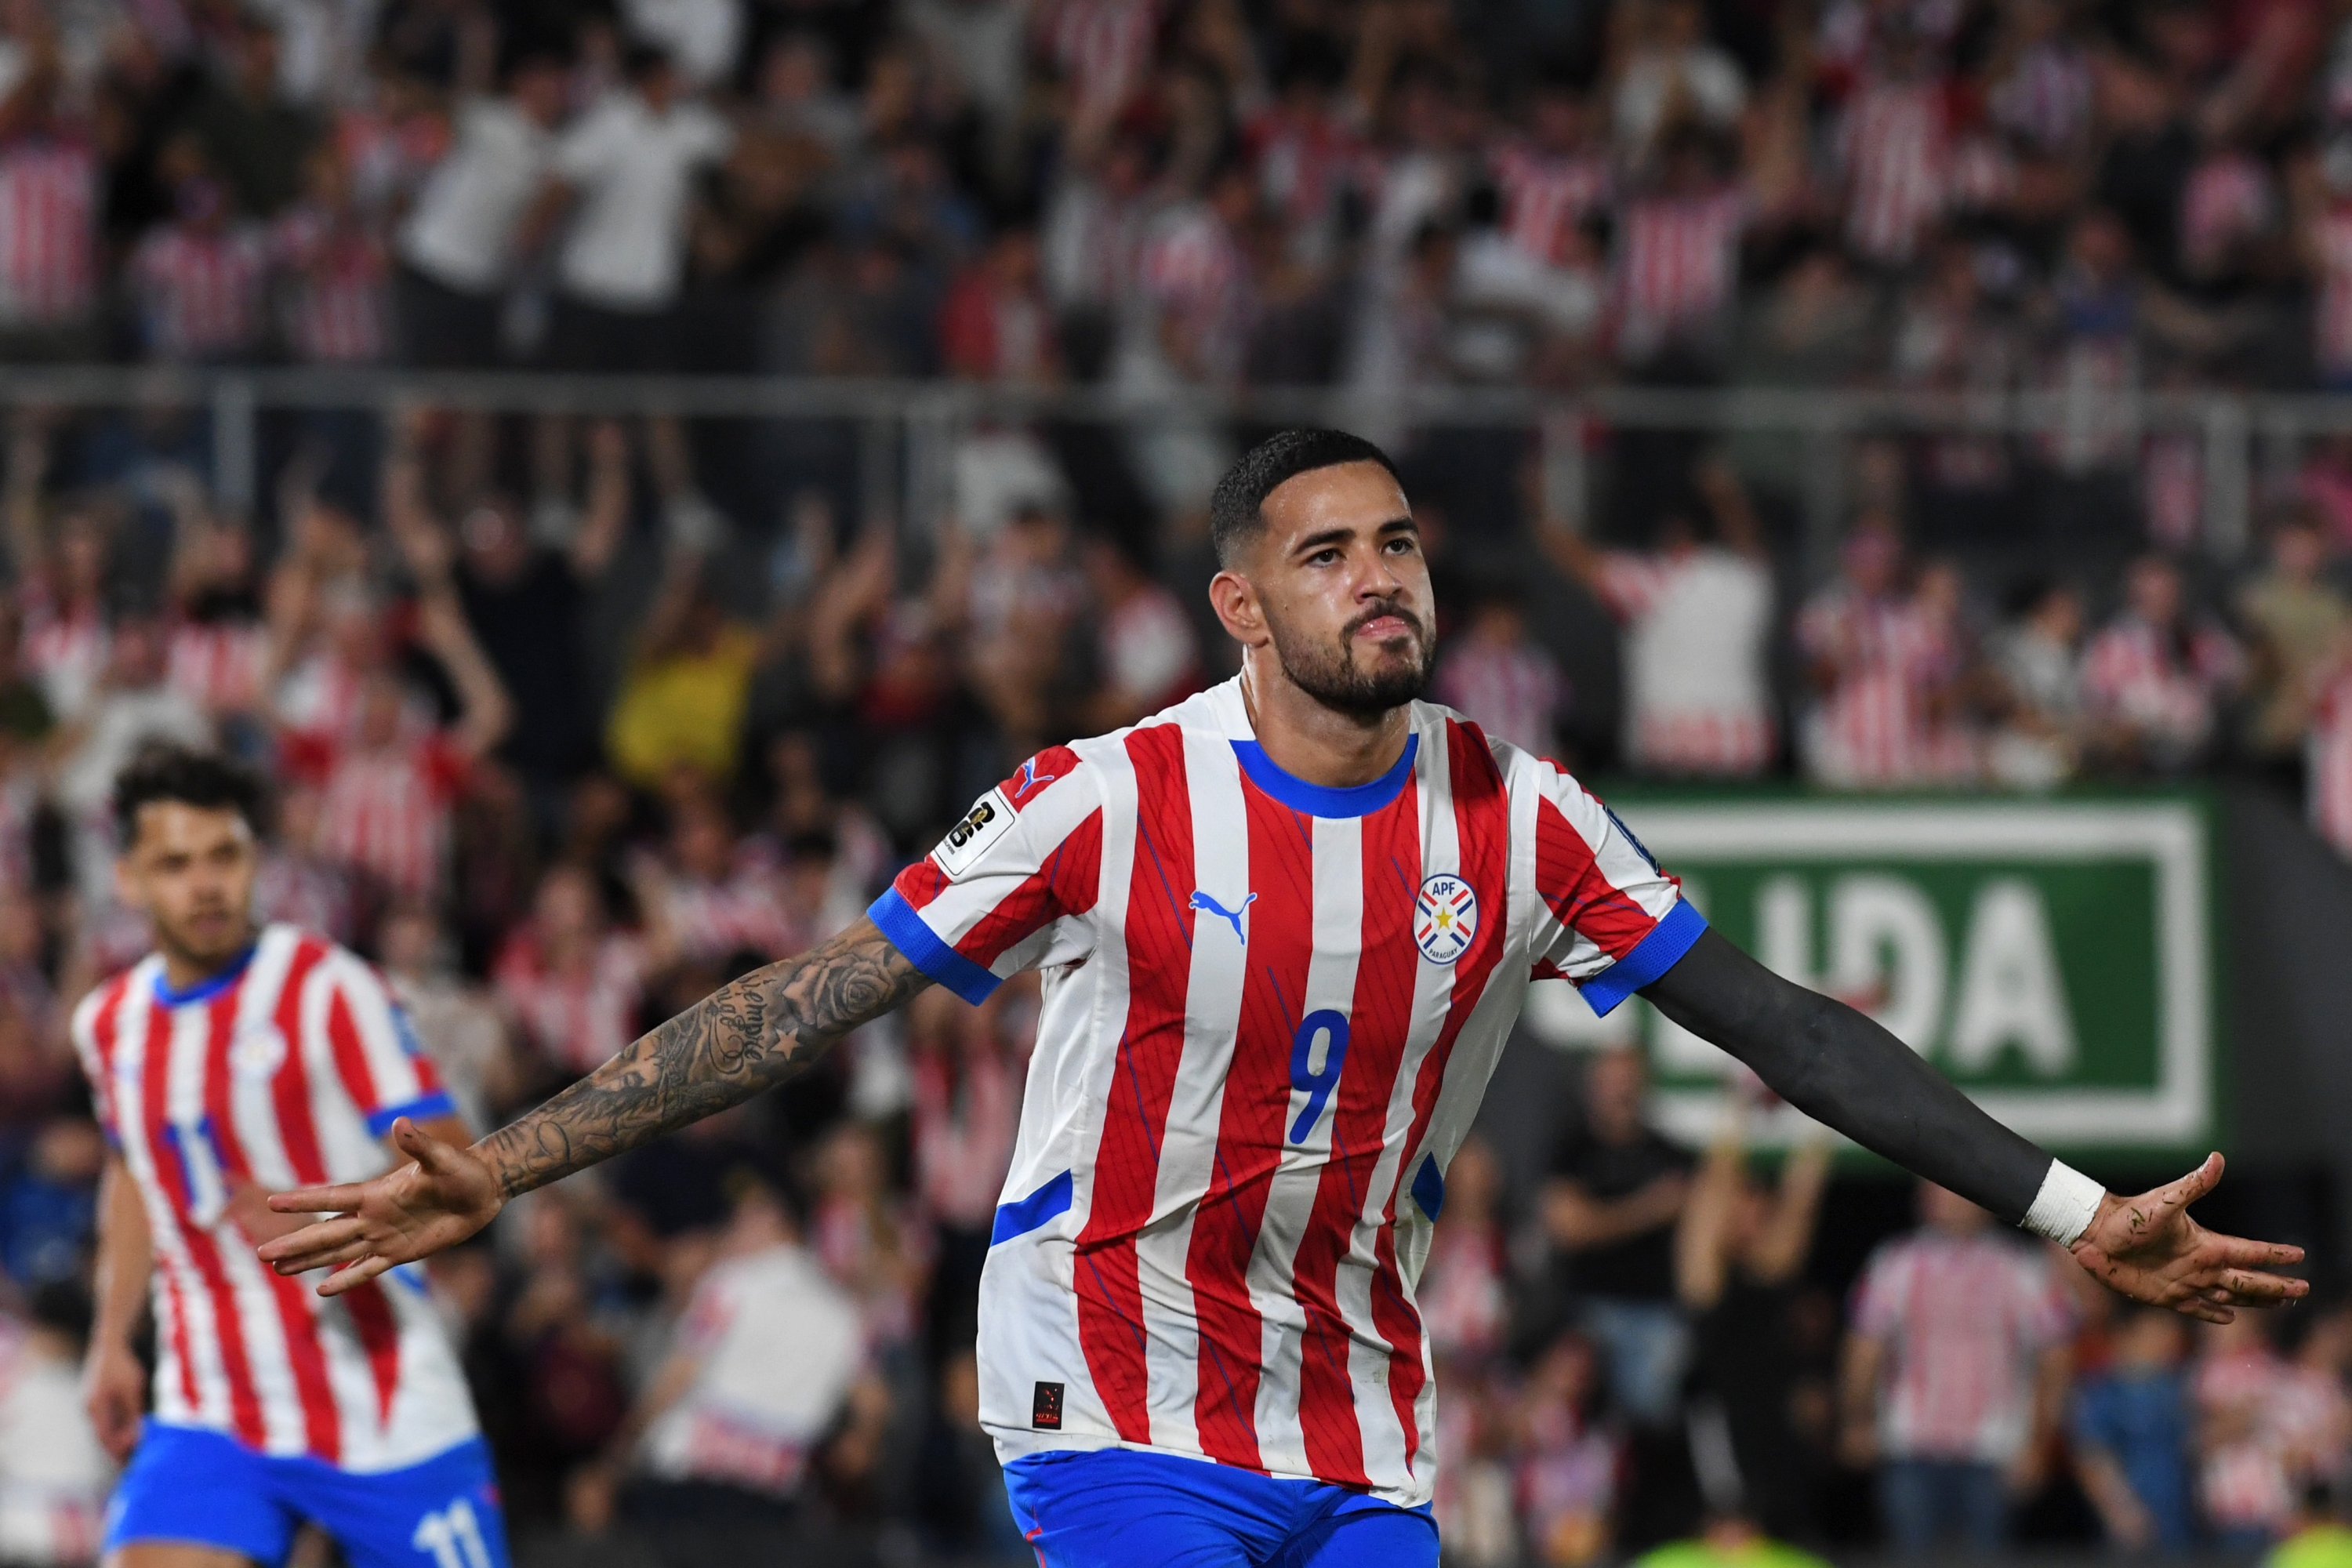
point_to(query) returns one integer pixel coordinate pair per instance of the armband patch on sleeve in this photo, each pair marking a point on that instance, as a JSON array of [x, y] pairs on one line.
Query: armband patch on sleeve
[[990, 819]]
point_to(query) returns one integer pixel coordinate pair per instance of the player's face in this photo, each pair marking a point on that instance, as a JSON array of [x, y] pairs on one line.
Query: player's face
[[1337, 587], [190, 870]]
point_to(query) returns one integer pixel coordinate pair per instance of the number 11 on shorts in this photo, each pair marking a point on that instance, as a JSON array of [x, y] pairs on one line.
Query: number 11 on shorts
[[453, 1536]]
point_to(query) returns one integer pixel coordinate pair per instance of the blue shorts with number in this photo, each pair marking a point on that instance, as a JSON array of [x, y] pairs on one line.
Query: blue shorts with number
[[186, 1484], [1115, 1508]]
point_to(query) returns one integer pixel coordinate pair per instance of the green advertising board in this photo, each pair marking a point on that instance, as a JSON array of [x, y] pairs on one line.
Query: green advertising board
[[2053, 958]]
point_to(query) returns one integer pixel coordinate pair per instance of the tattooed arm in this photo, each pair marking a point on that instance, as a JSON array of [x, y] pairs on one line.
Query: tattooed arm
[[739, 1041]]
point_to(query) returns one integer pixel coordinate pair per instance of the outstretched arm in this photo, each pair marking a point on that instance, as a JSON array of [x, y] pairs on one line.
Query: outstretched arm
[[739, 1041], [1843, 1071]]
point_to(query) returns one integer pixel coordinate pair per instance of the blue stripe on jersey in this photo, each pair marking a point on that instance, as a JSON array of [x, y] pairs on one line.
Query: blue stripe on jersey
[[1429, 1187], [210, 986], [438, 1103], [897, 918], [1651, 957], [1023, 1215], [1327, 800]]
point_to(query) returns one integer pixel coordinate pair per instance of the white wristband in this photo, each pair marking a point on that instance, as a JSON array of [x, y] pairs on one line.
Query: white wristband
[[2062, 1210]]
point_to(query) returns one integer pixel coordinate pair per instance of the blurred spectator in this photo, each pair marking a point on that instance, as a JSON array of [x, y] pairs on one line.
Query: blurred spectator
[[1499, 675], [338, 304], [1464, 1292], [2152, 681], [2246, 1477], [54, 1477], [1617, 1189], [199, 279], [132, 704], [2036, 667], [966, 1111], [2132, 1430], [628, 166], [1671, 74], [571, 984], [2296, 622], [1739, 1251], [1151, 657], [1568, 1459], [51, 285], [1886, 664], [866, 1238], [459, 246], [246, 129], [526, 604], [1697, 618], [457, 1021], [682, 699], [705, 896], [729, 1436], [1954, 1376]]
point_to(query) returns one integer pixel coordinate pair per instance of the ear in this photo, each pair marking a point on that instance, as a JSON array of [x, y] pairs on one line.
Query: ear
[[1234, 599]]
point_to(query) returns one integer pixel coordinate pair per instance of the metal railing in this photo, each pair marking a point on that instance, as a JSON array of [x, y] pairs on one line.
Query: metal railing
[[907, 427]]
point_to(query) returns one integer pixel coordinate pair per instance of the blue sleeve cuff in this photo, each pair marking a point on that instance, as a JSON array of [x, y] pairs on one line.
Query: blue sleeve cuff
[[1651, 957], [438, 1103], [897, 918]]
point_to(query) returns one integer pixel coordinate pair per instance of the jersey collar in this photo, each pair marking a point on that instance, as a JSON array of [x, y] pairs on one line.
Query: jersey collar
[[210, 986], [1328, 800]]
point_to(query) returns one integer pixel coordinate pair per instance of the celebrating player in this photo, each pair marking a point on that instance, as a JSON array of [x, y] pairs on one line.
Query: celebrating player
[[1284, 929], [227, 1063]]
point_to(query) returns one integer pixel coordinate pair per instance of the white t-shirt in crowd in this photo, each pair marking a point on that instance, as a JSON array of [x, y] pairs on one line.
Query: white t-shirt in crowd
[[461, 234], [702, 37], [635, 172], [779, 1346], [1698, 629]]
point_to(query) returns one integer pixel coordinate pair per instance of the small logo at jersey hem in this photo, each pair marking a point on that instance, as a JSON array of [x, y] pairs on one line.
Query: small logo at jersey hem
[[1444, 918], [1045, 1407]]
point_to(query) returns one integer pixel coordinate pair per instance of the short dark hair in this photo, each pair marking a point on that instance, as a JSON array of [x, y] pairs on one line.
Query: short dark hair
[[205, 779], [1236, 508]]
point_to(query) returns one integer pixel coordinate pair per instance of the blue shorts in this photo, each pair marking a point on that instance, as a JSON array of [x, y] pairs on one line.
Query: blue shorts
[[1115, 1508], [186, 1484]]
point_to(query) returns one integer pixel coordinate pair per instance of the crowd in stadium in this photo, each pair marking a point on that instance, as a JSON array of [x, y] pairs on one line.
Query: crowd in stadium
[[569, 721]]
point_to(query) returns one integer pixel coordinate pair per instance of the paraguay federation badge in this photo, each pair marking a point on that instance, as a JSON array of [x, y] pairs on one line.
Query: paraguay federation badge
[[1445, 918]]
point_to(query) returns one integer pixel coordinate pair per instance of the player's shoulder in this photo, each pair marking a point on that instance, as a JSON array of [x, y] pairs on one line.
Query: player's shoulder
[[1512, 766], [108, 993]]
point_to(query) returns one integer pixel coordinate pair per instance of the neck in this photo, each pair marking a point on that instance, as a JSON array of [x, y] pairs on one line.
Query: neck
[[183, 970], [1311, 740]]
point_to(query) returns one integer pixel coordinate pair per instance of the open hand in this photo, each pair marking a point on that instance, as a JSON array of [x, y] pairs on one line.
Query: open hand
[[2149, 1249], [445, 1196]]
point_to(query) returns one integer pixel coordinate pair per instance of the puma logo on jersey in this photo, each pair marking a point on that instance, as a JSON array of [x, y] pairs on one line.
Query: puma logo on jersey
[[1201, 900], [1031, 778]]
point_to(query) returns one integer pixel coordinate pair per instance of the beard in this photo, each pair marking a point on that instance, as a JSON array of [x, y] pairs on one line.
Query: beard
[[1331, 676]]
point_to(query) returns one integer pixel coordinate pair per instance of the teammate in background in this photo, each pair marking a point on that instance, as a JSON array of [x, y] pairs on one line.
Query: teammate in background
[[229, 1062], [1284, 928]]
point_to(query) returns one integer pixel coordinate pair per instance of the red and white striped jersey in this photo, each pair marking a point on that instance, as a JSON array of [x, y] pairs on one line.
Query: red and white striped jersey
[[385, 811], [200, 294], [1104, 50], [1896, 151], [1270, 1010], [1677, 266], [285, 1071], [338, 304], [1876, 725], [219, 663], [49, 232], [1546, 196], [1962, 1318]]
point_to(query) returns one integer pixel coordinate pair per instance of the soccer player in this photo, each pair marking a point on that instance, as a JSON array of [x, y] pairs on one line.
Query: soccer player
[[1284, 928], [227, 1063]]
